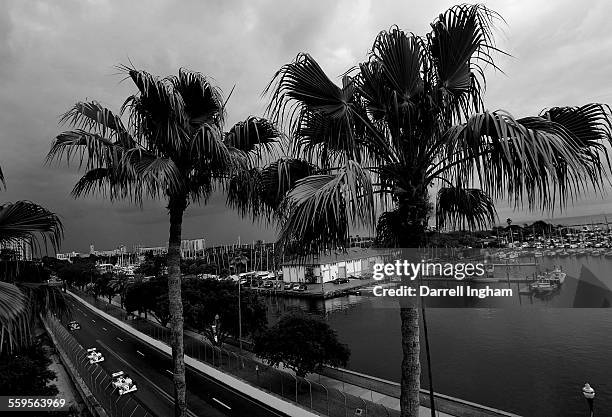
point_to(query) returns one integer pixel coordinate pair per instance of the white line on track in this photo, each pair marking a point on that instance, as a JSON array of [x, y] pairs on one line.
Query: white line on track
[[93, 320], [169, 371], [85, 314], [141, 376], [140, 353], [119, 339], [104, 328], [223, 404]]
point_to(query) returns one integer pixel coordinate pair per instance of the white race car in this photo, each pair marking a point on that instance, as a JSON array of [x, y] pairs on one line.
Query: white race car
[[94, 356], [74, 325], [123, 382]]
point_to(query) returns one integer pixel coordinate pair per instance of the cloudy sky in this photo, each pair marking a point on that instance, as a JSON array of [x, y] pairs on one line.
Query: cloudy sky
[[53, 53]]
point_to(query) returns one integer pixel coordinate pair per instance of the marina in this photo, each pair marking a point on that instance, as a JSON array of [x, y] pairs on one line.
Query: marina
[[521, 339]]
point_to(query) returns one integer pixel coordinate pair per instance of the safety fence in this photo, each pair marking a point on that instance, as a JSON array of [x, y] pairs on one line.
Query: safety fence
[[310, 393], [94, 376]]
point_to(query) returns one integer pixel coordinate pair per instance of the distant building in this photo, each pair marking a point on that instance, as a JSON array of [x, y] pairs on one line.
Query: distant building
[[331, 265], [154, 250], [119, 250], [192, 248], [68, 256], [21, 248]]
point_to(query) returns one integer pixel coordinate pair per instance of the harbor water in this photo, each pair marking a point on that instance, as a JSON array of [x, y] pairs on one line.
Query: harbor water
[[528, 355]]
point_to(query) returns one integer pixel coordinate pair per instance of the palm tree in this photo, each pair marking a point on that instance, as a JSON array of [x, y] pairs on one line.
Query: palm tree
[[25, 223], [173, 147], [408, 119]]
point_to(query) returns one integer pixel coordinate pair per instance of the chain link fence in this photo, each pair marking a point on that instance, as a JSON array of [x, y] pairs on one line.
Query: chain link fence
[[94, 376], [307, 392]]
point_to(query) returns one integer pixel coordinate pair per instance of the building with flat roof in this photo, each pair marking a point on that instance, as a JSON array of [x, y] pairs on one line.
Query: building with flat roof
[[328, 266]]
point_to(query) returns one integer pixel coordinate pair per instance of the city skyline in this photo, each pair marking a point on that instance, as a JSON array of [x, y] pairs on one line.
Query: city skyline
[[45, 72]]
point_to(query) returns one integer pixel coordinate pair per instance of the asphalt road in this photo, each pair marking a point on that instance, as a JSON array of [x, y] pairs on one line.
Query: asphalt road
[[151, 370]]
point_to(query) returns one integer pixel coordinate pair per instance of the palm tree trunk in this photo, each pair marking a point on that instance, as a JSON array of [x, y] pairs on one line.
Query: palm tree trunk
[[412, 236], [411, 365], [177, 208]]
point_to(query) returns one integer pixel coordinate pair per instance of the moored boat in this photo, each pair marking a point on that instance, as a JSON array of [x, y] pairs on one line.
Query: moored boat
[[556, 275]]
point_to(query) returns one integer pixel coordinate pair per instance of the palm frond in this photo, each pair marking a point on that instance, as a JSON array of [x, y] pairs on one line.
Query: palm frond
[[260, 191], [89, 149], [208, 152], [320, 209], [43, 298], [97, 179], [461, 42], [388, 228], [463, 208], [590, 125], [14, 323], [148, 172], [253, 135], [24, 221], [94, 118], [400, 60], [461, 46], [530, 159], [304, 98], [203, 102], [157, 112]]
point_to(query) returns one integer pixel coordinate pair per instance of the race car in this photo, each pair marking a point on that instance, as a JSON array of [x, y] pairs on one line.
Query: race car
[[94, 356], [74, 325], [123, 382]]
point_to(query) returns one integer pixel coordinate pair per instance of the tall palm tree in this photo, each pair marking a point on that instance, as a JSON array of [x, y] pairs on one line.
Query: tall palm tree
[[174, 147], [21, 299], [409, 119]]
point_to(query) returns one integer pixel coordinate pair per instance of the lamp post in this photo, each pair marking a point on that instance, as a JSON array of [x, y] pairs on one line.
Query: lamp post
[[239, 316], [215, 329], [589, 394]]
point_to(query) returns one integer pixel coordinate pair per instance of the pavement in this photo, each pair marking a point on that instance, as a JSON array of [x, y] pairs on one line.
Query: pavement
[[151, 370]]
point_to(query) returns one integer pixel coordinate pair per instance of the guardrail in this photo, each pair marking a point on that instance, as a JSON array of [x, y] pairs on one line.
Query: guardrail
[[95, 378]]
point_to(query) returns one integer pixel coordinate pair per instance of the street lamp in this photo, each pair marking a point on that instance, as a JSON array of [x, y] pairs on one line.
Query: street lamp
[[589, 394], [239, 316], [215, 329]]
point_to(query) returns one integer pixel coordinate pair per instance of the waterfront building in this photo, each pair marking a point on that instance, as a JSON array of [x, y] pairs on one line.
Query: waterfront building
[[192, 248], [329, 266]]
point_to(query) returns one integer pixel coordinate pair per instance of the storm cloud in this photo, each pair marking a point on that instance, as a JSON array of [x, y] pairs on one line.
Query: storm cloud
[[55, 53]]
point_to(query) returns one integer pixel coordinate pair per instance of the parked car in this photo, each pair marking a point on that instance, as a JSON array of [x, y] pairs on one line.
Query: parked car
[[299, 287], [288, 286], [268, 284], [343, 280], [74, 325]]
